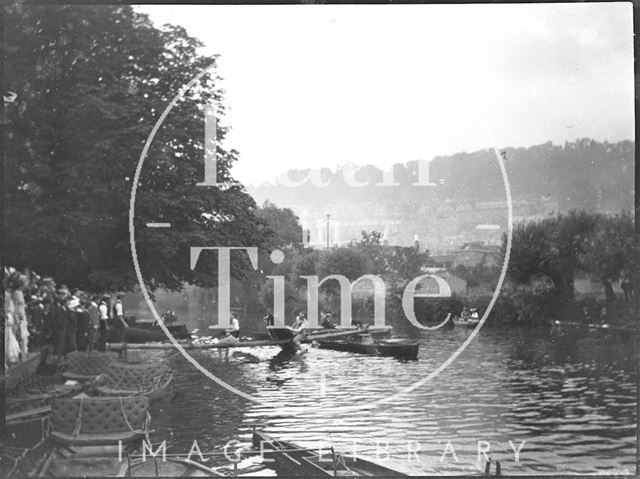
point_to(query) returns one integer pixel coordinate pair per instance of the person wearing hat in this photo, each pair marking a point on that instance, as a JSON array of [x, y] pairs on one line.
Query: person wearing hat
[[94, 323], [235, 326], [35, 312], [269, 319], [82, 318], [47, 317], [119, 323], [104, 322], [59, 324], [71, 341]]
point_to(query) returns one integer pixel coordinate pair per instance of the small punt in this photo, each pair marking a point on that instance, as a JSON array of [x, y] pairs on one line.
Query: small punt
[[98, 437], [94, 461]]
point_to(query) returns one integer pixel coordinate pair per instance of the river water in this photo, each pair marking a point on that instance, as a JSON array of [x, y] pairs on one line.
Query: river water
[[568, 408]]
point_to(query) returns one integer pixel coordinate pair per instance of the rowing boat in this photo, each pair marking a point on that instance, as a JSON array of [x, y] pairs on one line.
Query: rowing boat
[[282, 333], [36, 392], [291, 460], [468, 322], [152, 380], [108, 461], [97, 437], [365, 344], [398, 348], [278, 333], [155, 333]]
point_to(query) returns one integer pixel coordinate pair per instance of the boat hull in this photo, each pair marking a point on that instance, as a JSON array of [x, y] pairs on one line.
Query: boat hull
[[341, 345], [404, 350], [291, 460], [104, 462], [466, 323], [281, 333], [147, 335], [398, 349]]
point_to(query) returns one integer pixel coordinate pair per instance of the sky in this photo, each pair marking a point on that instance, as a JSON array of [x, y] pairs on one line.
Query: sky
[[323, 85]]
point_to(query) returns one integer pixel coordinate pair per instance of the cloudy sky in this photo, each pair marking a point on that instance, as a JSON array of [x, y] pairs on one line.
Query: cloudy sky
[[320, 85]]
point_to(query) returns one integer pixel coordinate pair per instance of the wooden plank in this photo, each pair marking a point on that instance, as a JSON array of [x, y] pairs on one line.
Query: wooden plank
[[27, 414]]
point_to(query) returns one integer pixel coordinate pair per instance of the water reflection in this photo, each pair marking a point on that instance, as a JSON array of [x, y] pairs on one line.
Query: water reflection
[[568, 409]]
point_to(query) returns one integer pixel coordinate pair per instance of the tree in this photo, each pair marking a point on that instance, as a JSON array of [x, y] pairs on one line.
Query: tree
[[345, 261], [609, 249], [402, 261], [91, 81], [550, 248], [284, 224], [371, 246]]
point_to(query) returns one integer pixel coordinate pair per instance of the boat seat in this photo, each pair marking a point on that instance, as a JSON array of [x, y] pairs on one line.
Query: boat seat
[[92, 421], [82, 365], [98, 439], [130, 379], [33, 385]]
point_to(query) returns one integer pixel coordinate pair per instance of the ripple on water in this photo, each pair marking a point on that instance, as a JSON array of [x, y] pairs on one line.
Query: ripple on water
[[576, 415]]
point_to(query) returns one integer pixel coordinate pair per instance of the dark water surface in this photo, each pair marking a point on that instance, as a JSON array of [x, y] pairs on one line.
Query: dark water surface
[[572, 404]]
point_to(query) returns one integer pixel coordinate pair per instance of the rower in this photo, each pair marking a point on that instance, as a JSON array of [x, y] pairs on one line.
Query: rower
[[235, 326], [603, 315], [300, 322], [231, 336], [268, 319], [326, 321]]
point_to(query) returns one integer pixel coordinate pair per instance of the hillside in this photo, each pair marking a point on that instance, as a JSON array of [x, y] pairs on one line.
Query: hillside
[[584, 174]]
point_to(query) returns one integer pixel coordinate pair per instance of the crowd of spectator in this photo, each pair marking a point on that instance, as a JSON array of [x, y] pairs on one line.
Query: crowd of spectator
[[38, 312]]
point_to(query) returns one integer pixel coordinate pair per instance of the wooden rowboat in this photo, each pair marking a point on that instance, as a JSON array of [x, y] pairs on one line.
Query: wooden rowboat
[[36, 392], [152, 380], [398, 348], [105, 462], [151, 334], [467, 323], [365, 344], [85, 366], [282, 333], [291, 460]]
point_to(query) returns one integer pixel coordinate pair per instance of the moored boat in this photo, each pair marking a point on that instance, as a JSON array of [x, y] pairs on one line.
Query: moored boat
[[154, 333], [152, 380], [84, 366], [104, 462], [291, 460], [36, 392], [98, 437], [377, 332], [399, 348]]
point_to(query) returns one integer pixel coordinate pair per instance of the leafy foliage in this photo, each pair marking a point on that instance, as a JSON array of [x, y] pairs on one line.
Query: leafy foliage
[[557, 247], [283, 223], [610, 249], [91, 81]]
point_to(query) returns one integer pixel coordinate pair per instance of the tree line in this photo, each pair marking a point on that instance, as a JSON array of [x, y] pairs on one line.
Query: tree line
[[557, 247]]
